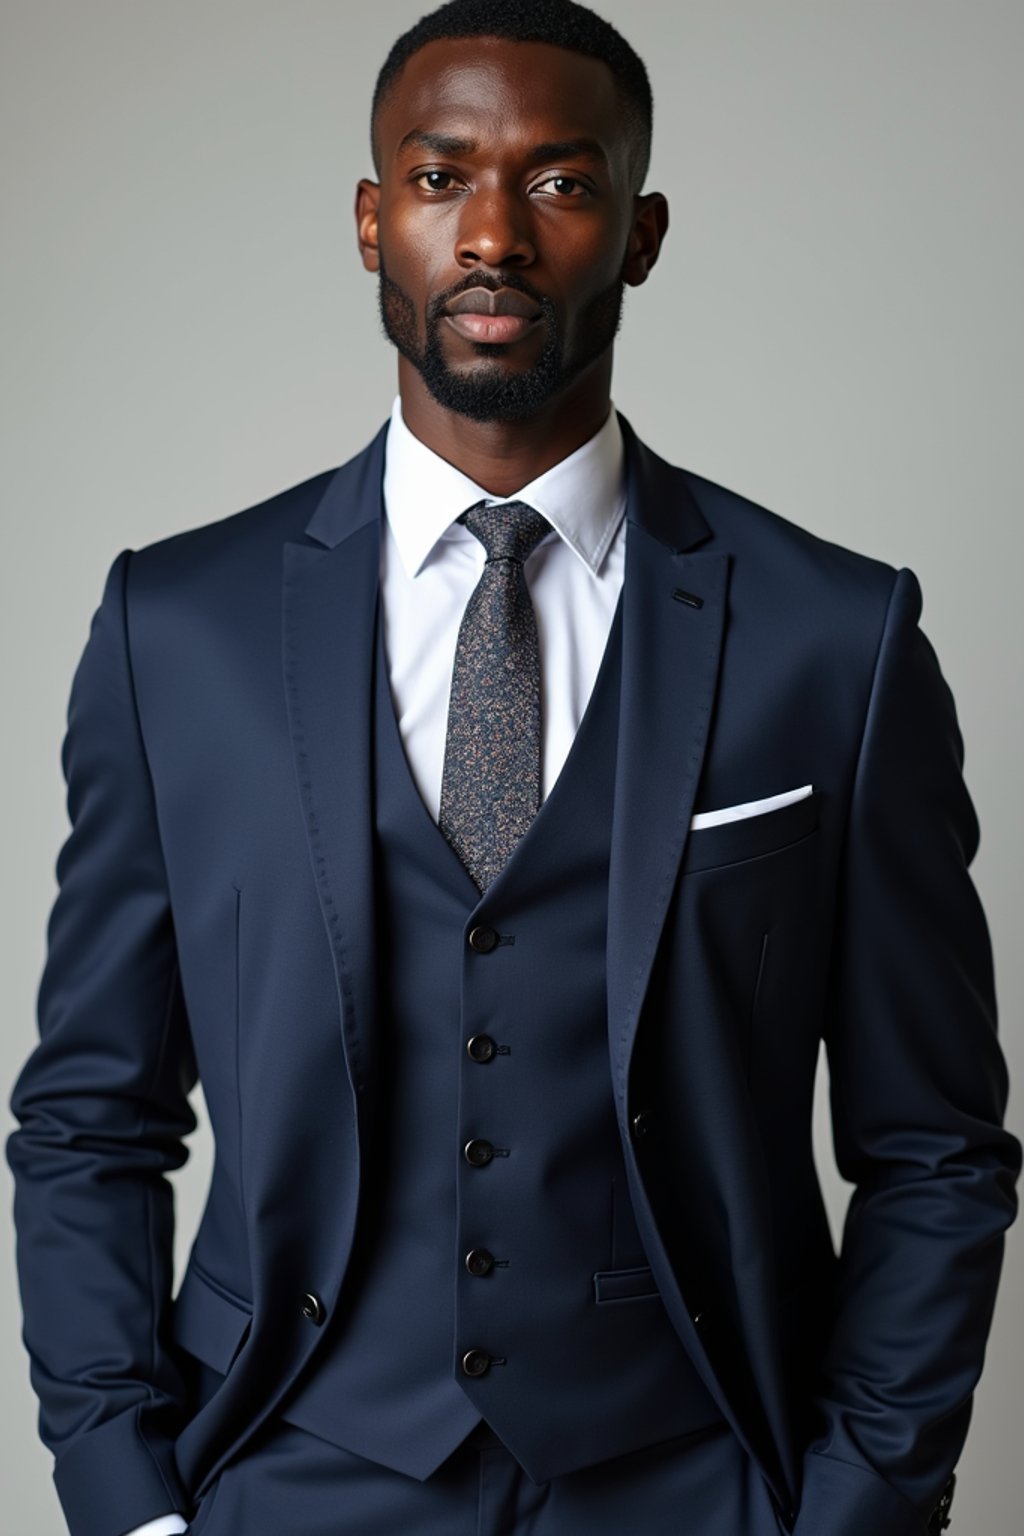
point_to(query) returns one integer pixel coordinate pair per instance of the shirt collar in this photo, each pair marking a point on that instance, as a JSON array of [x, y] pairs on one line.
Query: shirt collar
[[583, 496]]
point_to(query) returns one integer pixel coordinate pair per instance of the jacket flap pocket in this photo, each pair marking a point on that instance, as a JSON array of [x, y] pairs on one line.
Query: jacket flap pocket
[[622, 1284], [207, 1322], [751, 836]]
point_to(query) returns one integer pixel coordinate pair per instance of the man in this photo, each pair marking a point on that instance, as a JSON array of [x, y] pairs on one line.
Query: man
[[496, 824]]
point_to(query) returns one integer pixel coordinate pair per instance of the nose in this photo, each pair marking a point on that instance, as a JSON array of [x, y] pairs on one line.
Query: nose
[[494, 230]]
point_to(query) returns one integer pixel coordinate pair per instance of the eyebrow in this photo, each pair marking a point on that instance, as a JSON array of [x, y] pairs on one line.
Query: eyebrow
[[555, 149]]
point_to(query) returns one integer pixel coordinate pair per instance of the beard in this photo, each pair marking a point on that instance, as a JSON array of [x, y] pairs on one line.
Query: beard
[[494, 391]]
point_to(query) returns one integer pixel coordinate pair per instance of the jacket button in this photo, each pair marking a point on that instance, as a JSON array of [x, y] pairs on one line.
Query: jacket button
[[478, 1152], [476, 1362], [481, 1047], [482, 939], [479, 1261], [641, 1123], [313, 1308]]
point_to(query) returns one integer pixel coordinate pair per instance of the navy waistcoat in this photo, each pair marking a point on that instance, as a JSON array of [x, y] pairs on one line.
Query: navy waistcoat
[[498, 1273]]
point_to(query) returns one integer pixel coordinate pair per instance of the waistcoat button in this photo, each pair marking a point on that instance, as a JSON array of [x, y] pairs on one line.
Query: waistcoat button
[[641, 1123], [482, 939], [313, 1308], [478, 1152], [475, 1362], [479, 1261], [481, 1047]]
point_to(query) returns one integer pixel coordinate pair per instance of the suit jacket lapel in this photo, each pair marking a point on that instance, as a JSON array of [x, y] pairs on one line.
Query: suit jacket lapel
[[671, 655], [670, 661], [329, 602]]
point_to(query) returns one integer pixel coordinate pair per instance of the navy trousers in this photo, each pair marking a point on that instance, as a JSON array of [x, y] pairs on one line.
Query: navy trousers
[[288, 1482]]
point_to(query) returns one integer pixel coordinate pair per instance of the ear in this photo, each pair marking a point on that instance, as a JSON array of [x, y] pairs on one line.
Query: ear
[[650, 222], [367, 203]]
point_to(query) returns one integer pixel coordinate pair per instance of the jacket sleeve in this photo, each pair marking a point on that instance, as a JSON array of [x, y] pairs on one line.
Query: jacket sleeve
[[918, 1090], [102, 1105]]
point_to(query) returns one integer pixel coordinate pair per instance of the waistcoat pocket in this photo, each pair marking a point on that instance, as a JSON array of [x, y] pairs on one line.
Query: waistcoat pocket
[[624, 1284]]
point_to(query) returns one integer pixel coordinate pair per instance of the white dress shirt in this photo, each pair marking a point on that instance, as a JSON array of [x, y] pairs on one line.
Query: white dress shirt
[[167, 1525], [430, 564]]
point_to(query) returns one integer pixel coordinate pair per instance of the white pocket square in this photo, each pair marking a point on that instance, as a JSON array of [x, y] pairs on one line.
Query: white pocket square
[[748, 808]]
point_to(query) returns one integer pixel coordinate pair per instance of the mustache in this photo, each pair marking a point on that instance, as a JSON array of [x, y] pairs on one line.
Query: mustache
[[436, 305]]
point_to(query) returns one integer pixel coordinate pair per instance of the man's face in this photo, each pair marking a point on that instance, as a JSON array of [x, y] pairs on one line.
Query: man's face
[[505, 184]]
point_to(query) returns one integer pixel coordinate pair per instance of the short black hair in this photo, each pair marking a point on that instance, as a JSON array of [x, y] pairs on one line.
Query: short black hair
[[560, 22]]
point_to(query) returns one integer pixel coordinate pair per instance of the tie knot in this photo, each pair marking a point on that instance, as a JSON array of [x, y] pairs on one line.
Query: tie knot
[[509, 531]]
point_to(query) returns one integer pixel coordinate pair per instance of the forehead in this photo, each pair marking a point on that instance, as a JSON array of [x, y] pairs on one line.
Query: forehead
[[491, 88]]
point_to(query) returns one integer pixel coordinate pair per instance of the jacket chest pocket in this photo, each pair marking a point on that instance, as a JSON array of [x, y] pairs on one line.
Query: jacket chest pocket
[[751, 837]]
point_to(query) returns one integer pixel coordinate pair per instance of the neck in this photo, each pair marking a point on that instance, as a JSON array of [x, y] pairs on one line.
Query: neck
[[503, 456]]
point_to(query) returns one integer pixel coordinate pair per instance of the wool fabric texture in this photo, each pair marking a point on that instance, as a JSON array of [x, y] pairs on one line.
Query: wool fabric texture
[[490, 785]]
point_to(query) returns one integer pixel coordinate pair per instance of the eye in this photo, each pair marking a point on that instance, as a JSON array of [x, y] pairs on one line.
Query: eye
[[434, 177], [562, 182]]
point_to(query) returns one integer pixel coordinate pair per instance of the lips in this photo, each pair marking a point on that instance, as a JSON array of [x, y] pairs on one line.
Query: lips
[[481, 301], [501, 316]]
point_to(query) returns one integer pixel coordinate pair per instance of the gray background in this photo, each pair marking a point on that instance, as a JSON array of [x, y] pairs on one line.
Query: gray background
[[834, 329]]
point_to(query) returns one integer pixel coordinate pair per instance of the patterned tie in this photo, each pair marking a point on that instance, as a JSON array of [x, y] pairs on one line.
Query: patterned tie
[[490, 786]]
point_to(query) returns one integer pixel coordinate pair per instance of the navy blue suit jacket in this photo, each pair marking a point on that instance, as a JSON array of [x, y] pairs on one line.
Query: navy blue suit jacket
[[219, 867]]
